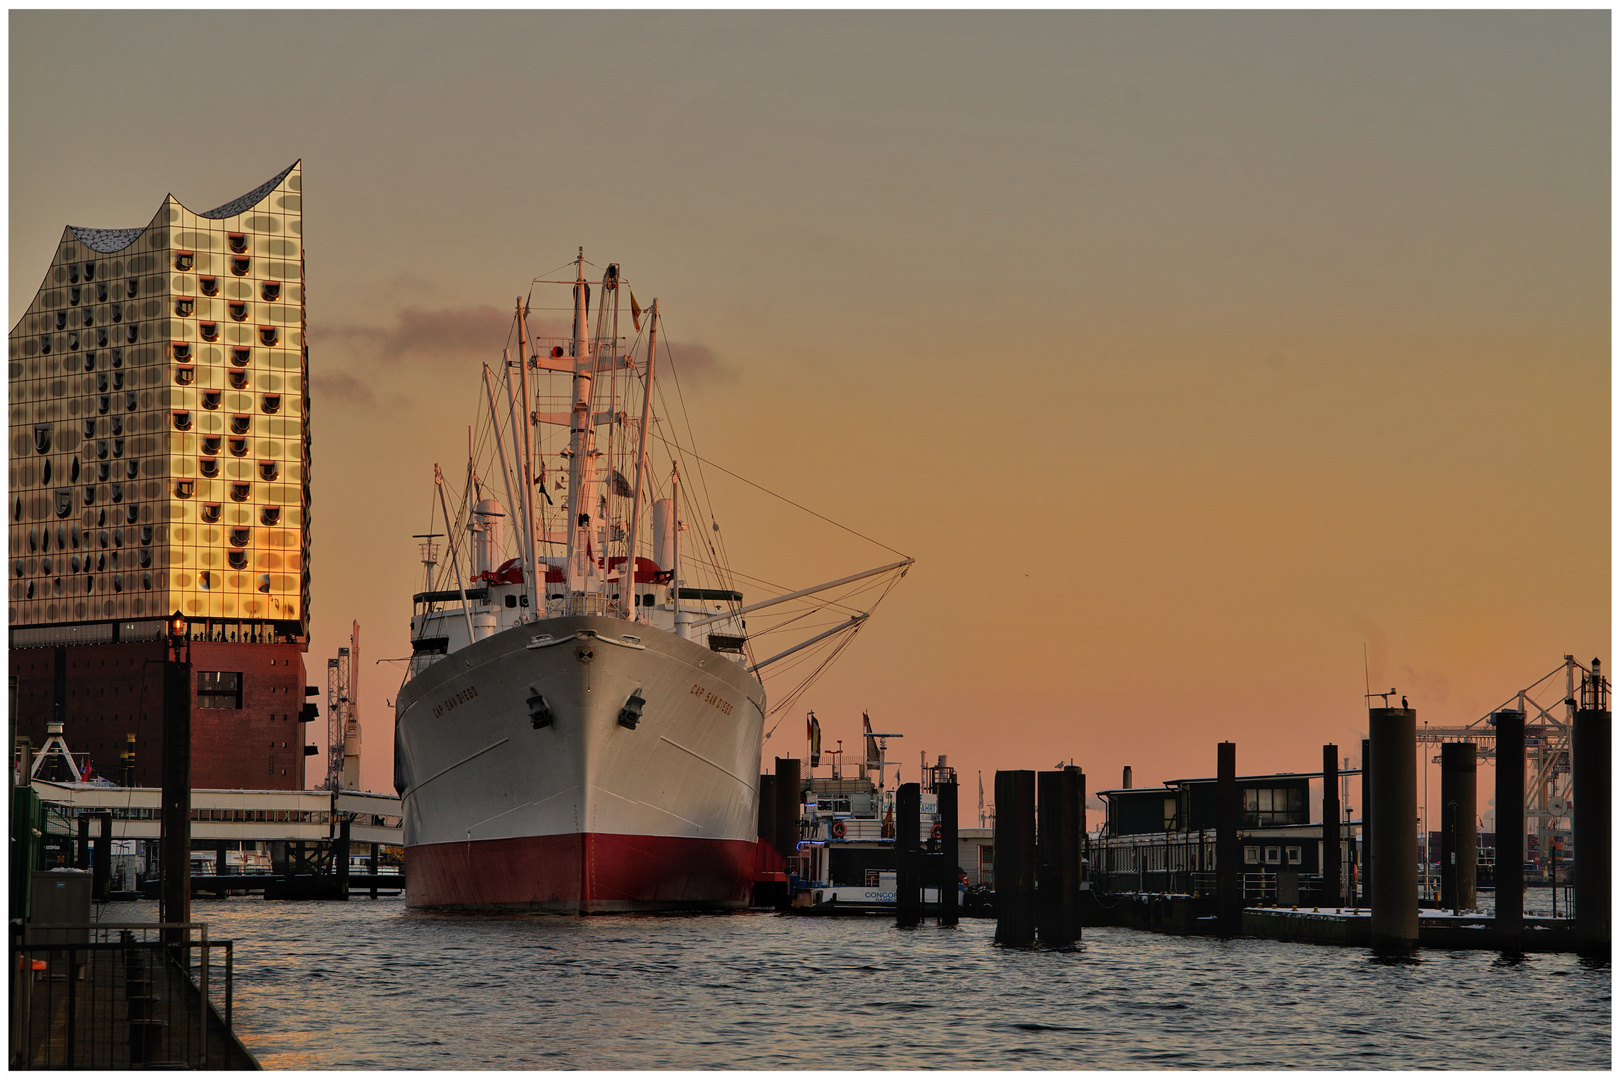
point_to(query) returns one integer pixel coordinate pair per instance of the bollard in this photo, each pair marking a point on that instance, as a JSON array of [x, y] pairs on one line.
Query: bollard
[[789, 806], [1332, 860], [1015, 856], [908, 874], [1394, 828], [946, 793], [1509, 826], [1228, 857], [1592, 777], [1366, 823], [1459, 839]]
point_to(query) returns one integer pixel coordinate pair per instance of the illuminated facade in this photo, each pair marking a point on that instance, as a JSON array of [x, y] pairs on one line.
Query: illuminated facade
[[160, 450]]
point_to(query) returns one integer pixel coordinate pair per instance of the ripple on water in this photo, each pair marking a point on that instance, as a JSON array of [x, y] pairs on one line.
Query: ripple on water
[[371, 985]]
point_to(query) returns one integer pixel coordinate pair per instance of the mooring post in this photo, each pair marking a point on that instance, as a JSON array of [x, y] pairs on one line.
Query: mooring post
[[1509, 826], [788, 806], [946, 793], [101, 859], [1082, 846], [1592, 775], [1069, 855], [1332, 861], [908, 873], [175, 906], [767, 808], [1015, 856], [81, 850], [1366, 823], [1228, 857], [340, 856], [1394, 829], [1459, 839], [371, 864], [1048, 857]]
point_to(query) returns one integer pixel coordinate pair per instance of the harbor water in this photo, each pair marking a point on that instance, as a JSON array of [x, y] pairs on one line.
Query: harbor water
[[370, 984]]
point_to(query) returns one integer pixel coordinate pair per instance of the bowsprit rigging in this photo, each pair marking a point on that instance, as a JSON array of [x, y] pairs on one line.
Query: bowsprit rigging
[[580, 725]]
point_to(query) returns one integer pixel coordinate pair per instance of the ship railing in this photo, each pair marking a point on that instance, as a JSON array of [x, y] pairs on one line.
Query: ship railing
[[584, 604]]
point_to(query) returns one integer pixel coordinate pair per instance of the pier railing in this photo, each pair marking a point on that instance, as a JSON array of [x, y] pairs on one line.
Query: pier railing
[[120, 996]]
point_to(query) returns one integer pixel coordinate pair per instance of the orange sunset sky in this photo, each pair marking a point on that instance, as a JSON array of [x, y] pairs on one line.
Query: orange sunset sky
[[1189, 354]]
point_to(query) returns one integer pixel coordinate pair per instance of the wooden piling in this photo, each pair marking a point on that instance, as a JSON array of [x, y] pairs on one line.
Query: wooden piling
[[788, 806], [1366, 823], [1509, 827], [1332, 860], [1228, 855], [1015, 856], [1048, 857], [1459, 839], [1393, 735], [1072, 834], [946, 794], [1593, 858], [908, 874]]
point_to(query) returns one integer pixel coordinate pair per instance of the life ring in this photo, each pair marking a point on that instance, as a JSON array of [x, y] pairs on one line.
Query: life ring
[[836, 829], [936, 832]]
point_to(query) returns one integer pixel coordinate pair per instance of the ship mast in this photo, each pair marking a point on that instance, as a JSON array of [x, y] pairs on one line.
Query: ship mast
[[581, 449], [627, 582]]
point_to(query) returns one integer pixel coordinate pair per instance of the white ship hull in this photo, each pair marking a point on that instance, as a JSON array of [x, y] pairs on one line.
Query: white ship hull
[[582, 813]]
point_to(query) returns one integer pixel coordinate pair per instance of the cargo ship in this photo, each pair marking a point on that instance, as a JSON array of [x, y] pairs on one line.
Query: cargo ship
[[580, 724]]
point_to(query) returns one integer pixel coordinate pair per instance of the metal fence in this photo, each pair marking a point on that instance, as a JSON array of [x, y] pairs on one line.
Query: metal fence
[[111, 996]]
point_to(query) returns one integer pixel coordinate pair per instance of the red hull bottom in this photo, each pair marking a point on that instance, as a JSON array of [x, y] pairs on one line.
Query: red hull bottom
[[587, 873]]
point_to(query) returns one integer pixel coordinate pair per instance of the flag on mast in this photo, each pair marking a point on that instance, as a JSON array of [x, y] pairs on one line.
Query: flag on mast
[[635, 310], [873, 758], [812, 732]]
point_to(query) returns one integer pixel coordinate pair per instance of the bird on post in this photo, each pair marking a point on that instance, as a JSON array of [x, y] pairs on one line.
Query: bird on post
[[1404, 705]]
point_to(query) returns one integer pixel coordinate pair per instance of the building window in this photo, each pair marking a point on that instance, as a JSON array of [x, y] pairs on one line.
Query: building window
[[44, 343], [209, 331], [209, 467], [1273, 855], [73, 296], [42, 438], [219, 689], [241, 423], [240, 266], [270, 290], [184, 260], [239, 380], [185, 306], [45, 473], [1251, 855], [208, 285], [271, 403], [89, 275], [182, 420], [241, 356], [239, 448], [241, 492], [237, 242], [269, 335], [209, 513], [210, 444], [240, 537], [238, 560], [64, 502], [210, 401], [269, 470], [61, 320], [238, 310], [130, 400], [185, 374], [101, 293], [182, 351], [1295, 856], [185, 489], [133, 333], [132, 288]]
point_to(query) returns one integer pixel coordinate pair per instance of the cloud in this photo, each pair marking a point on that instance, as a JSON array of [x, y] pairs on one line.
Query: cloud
[[340, 387], [426, 334], [696, 365]]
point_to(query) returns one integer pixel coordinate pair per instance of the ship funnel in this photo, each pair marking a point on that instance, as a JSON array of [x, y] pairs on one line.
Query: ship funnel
[[488, 535]]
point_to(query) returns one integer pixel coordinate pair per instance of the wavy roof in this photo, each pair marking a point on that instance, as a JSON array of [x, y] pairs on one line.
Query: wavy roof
[[108, 241]]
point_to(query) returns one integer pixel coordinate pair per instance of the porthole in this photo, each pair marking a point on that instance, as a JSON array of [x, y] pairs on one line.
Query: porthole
[[270, 290], [239, 448], [185, 306], [241, 423], [240, 357], [185, 374], [184, 489], [238, 310], [271, 403], [208, 285], [240, 266], [210, 444], [118, 358], [241, 492], [209, 467], [236, 241], [210, 401], [184, 260], [238, 560], [269, 335], [181, 350], [182, 420], [238, 380], [209, 331], [209, 513], [270, 515], [269, 470]]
